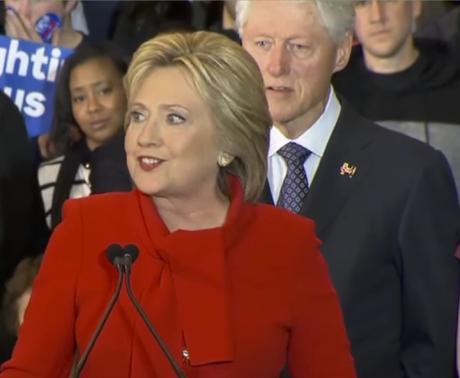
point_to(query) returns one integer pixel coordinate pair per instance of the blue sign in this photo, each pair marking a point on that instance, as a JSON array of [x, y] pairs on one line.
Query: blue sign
[[28, 72]]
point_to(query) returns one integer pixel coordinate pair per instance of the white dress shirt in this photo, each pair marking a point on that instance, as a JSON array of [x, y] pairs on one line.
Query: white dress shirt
[[314, 139]]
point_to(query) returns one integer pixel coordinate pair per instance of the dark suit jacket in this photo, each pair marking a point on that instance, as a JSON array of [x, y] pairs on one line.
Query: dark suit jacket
[[389, 232]]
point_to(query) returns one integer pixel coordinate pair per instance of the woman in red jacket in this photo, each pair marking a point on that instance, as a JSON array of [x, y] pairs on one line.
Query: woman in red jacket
[[234, 288]]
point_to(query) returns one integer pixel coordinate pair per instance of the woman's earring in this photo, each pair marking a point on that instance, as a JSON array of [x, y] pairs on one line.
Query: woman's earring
[[224, 159]]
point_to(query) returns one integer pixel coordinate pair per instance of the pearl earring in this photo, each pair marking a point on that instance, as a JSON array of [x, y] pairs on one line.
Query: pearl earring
[[224, 159]]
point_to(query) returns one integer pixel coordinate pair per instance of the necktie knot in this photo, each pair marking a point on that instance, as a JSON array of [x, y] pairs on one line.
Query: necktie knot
[[294, 154]]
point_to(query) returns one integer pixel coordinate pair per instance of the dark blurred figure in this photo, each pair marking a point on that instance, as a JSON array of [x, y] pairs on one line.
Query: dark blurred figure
[[445, 28], [432, 11], [100, 28], [221, 18], [138, 21], [22, 228], [17, 295]]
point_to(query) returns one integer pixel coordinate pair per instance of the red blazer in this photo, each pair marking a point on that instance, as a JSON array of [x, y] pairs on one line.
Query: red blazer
[[244, 299]]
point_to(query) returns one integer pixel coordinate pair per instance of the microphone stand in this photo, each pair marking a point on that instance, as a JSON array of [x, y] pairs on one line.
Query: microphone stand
[[128, 260], [81, 363], [123, 259]]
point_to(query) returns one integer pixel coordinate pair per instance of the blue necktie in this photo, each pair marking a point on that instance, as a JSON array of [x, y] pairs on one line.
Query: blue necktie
[[295, 185]]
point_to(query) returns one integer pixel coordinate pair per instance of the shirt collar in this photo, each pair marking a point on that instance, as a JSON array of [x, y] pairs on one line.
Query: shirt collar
[[316, 137]]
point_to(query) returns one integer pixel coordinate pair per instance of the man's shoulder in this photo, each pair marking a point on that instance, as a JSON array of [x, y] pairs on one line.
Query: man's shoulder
[[391, 144], [389, 156]]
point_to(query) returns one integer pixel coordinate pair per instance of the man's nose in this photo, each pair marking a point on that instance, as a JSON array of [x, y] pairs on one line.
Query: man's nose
[[279, 60], [376, 11]]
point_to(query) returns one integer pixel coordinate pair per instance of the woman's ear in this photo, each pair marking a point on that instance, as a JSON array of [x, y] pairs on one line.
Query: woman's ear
[[224, 159]]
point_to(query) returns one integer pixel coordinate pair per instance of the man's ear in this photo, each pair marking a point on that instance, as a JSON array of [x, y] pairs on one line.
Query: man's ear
[[343, 52], [69, 5]]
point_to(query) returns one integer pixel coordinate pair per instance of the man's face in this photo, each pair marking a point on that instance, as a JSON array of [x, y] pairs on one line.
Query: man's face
[[296, 56], [385, 27]]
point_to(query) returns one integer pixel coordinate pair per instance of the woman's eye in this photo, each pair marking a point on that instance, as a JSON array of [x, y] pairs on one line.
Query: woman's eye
[[136, 117], [78, 99], [175, 119], [105, 91]]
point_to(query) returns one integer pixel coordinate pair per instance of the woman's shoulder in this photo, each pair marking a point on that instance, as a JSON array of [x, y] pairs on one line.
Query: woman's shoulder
[[105, 204], [278, 217], [283, 237], [282, 228]]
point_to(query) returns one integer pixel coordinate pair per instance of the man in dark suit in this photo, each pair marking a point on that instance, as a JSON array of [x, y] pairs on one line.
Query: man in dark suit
[[385, 205]]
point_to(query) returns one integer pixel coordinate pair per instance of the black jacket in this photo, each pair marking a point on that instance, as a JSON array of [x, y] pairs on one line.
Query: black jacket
[[426, 91]]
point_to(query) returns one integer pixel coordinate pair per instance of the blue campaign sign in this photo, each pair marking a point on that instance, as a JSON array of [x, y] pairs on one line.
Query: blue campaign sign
[[28, 72]]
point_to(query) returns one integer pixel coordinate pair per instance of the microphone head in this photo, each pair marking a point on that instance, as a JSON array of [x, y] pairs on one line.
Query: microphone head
[[132, 251], [113, 251]]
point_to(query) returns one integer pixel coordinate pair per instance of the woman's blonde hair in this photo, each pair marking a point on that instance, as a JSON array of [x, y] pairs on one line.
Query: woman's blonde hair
[[229, 81]]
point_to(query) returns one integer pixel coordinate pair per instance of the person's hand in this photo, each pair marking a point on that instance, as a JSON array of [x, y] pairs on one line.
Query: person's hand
[[21, 28], [18, 27]]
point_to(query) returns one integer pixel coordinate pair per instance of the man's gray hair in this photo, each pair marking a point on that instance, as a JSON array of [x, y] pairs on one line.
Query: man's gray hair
[[337, 16]]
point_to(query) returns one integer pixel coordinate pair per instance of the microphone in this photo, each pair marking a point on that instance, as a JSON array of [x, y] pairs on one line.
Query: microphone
[[130, 253], [114, 254]]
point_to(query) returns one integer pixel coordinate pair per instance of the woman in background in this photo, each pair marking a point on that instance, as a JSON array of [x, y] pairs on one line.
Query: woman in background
[[235, 289], [87, 131]]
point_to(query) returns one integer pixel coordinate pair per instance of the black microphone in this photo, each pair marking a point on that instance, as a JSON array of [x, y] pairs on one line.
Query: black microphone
[[114, 254], [130, 253]]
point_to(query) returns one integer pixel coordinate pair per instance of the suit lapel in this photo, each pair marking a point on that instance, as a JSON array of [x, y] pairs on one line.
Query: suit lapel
[[266, 196], [330, 189], [335, 179]]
